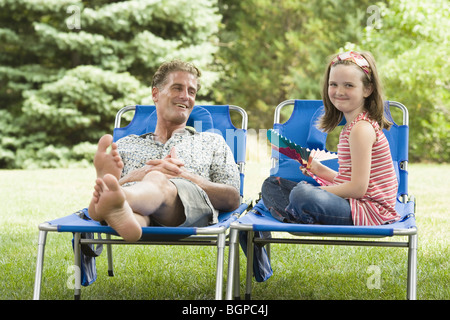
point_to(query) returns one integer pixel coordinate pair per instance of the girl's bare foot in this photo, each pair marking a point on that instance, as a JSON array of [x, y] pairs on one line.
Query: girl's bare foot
[[109, 204]]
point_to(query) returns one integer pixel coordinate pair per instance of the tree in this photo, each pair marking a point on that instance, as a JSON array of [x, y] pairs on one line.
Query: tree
[[411, 45], [277, 50], [67, 66]]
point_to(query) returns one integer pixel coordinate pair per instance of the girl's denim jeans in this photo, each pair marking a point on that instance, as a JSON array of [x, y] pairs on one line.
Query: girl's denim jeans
[[293, 202]]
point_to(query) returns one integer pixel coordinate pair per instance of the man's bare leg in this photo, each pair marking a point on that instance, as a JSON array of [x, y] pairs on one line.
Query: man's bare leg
[[109, 204], [126, 208], [105, 163], [155, 195], [108, 201]]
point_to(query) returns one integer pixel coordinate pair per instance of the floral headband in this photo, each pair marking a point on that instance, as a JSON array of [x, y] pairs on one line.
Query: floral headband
[[354, 57]]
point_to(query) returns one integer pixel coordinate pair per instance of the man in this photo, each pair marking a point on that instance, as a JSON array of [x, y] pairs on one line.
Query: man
[[172, 177]]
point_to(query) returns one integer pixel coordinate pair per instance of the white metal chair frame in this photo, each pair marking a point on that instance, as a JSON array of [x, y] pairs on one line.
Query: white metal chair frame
[[410, 234], [208, 236]]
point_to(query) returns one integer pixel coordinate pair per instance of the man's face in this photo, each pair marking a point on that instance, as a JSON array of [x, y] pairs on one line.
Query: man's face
[[175, 100]]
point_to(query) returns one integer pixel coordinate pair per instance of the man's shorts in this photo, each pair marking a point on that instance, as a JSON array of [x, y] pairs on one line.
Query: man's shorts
[[197, 207]]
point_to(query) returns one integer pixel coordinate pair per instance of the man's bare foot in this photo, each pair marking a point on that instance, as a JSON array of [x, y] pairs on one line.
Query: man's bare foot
[[107, 163], [109, 204]]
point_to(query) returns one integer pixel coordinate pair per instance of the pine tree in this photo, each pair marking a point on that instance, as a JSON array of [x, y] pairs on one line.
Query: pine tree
[[67, 67]]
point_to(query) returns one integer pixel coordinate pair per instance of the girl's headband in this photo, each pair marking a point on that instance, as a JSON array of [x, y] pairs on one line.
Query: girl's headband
[[354, 57]]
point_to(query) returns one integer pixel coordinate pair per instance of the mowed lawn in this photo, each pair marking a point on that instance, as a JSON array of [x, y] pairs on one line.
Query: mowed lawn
[[28, 198]]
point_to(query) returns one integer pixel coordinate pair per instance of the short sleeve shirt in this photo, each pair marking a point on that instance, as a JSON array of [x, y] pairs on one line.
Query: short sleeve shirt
[[377, 206], [203, 153]]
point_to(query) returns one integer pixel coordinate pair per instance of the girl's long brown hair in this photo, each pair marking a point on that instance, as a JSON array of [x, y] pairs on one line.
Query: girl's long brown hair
[[374, 103]]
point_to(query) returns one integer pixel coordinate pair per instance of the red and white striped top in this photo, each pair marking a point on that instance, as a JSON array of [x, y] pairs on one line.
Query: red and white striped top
[[377, 206]]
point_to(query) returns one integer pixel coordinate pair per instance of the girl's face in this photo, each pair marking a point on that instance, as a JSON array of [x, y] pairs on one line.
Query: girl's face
[[346, 89]]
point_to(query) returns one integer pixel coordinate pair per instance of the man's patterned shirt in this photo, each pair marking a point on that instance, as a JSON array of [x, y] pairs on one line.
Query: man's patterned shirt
[[203, 153]]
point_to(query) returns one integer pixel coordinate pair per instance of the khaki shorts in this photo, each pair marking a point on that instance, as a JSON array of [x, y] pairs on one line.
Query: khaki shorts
[[197, 206]]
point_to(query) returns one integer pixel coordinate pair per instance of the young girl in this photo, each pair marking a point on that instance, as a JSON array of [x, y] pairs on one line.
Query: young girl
[[364, 190]]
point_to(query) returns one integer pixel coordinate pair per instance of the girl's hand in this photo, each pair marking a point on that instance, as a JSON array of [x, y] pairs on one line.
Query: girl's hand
[[318, 169], [306, 171], [309, 167]]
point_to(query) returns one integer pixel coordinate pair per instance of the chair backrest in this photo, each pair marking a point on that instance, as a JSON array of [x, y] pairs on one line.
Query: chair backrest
[[144, 120], [208, 118], [398, 137], [301, 129]]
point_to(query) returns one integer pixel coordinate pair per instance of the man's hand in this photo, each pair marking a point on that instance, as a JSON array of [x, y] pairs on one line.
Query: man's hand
[[171, 166]]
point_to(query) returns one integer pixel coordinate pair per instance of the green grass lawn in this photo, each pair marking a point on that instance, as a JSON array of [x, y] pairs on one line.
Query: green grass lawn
[[28, 198]]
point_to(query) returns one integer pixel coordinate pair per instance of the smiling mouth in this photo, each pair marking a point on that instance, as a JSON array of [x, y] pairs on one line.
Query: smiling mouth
[[182, 106]]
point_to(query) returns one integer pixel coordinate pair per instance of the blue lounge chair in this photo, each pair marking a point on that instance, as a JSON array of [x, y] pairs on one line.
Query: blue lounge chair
[[211, 118], [300, 129]]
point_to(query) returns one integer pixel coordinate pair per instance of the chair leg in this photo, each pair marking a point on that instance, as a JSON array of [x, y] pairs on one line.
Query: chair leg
[[39, 264], [110, 257], [77, 261], [236, 284], [412, 267], [220, 262], [231, 264], [248, 280]]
